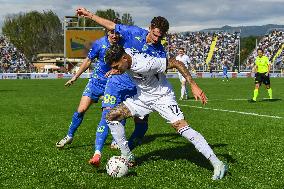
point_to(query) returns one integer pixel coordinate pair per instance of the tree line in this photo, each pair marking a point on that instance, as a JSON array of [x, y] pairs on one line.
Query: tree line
[[42, 32]]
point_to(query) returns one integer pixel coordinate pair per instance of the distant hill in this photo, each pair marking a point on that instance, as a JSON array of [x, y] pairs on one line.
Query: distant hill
[[247, 30]]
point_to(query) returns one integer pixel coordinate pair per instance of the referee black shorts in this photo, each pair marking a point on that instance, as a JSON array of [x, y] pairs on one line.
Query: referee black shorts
[[262, 78]]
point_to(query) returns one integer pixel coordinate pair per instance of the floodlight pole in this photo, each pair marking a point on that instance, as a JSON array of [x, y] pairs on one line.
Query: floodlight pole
[[64, 28], [240, 51]]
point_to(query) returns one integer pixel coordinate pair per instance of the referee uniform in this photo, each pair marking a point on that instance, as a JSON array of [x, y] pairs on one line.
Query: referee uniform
[[262, 76]]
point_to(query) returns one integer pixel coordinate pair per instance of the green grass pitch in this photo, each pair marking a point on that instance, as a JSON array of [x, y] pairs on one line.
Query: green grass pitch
[[35, 114]]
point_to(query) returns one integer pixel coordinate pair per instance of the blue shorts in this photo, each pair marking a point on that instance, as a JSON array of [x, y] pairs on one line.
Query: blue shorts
[[115, 92], [95, 89]]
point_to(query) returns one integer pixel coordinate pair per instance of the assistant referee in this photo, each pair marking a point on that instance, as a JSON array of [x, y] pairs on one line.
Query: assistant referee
[[261, 69]]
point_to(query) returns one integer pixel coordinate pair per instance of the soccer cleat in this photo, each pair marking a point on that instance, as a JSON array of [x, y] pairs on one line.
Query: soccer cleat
[[114, 146], [64, 141], [131, 160], [219, 171], [95, 160], [252, 101], [181, 98]]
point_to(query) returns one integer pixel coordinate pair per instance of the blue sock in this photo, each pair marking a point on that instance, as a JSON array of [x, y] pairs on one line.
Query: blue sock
[[76, 122], [102, 131], [137, 135]]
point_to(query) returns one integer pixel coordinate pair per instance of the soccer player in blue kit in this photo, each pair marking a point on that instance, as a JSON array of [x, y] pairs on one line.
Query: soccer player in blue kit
[[96, 88], [225, 70], [139, 40]]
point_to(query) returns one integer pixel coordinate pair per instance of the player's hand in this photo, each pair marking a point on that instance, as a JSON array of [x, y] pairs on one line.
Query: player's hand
[[112, 72], [82, 12], [267, 74], [198, 93], [70, 82]]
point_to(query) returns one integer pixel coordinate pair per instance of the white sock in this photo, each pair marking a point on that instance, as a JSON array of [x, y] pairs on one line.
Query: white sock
[[182, 91], [199, 143], [118, 134]]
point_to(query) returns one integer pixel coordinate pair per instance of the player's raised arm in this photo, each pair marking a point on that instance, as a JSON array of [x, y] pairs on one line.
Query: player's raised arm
[[196, 91], [103, 22], [84, 66]]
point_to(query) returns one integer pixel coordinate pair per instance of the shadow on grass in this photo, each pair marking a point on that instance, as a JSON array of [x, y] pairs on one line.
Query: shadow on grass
[[270, 100], [5, 90], [187, 151]]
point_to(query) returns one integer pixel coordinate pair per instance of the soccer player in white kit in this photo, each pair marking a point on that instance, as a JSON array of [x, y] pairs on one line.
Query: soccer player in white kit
[[154, 93], [185, 60]]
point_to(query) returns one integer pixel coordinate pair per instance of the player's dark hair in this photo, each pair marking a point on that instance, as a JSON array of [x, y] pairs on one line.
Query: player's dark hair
[[114, 54], [181, 48], [260, 49], [160, 23]]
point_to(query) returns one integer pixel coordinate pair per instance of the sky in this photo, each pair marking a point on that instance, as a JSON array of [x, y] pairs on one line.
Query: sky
[[183, 15]]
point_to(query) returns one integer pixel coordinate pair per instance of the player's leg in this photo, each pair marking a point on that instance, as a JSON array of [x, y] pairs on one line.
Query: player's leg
[[114, 117], [199, 142], [168, 108], [110, 100], [141, 127], [182, 87], [227, 76], [77, 119], [101, 136], [257, 82], [266, 81], [91, 94], [130, 107]]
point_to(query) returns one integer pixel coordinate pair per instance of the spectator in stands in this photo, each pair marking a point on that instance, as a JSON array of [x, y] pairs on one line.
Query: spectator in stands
[[11, 60], [197, 46], [271, 42]]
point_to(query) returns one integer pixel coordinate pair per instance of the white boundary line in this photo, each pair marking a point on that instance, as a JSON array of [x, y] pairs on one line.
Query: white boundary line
[[232, 111]]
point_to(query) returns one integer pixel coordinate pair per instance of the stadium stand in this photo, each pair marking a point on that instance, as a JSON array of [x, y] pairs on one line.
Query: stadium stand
[[11, 60], [272, 44], [206, 49]]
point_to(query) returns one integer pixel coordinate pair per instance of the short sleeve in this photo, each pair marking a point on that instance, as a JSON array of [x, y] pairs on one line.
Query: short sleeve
[[125, 30], [94, 51]]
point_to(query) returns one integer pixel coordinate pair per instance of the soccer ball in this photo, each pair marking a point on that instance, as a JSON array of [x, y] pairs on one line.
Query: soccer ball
[[117, 166]]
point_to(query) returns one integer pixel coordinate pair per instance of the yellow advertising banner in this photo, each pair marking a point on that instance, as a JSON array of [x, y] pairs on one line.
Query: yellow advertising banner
[[78, 42]]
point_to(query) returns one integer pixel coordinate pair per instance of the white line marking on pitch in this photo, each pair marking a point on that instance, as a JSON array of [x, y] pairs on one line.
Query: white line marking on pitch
[[232, 111]]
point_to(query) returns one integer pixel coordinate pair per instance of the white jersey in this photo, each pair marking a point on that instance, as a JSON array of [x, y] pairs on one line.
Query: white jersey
[[148, 74], [184, 59]]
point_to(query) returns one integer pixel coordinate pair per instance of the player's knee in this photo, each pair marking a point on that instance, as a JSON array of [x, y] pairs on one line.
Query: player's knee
[[179, 124], [82, 109], [112, 116]]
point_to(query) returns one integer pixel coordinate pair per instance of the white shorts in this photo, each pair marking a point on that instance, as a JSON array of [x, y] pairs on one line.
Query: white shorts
[[166, 106], [181, 78]]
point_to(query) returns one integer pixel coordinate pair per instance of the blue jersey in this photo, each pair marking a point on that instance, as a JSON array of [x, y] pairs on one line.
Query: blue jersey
[[97, 53], [119, 87], [96, 85], [135, 39]]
